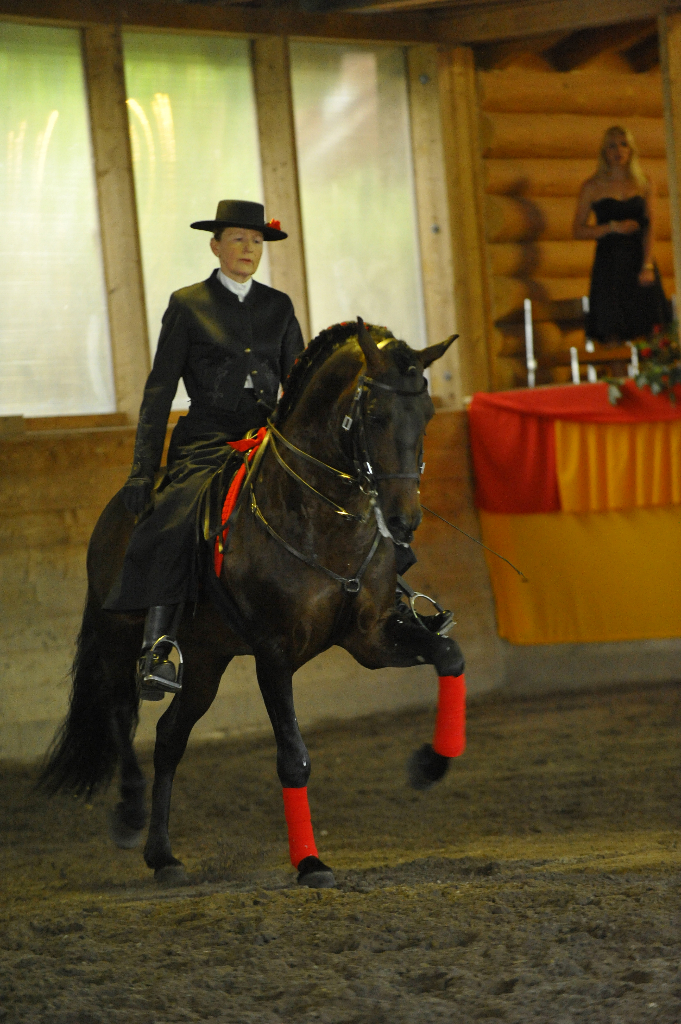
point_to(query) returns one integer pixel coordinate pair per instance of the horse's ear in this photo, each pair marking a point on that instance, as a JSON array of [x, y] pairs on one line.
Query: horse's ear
[[372, 353], [429, 355]]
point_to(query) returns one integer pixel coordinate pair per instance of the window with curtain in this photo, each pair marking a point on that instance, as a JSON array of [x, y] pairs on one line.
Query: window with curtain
[[194, 138], [356, 187], [55, 356]]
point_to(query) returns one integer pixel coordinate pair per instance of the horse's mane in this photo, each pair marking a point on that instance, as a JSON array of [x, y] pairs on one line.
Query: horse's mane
[[319, 350]]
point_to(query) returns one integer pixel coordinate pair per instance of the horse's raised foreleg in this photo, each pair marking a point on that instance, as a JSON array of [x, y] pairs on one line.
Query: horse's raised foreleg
[[202, 672], [408, 638], [400, 641], [293, 768]]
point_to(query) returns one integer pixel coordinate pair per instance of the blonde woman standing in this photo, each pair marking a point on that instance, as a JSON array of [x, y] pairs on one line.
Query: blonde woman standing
[[626, 297]]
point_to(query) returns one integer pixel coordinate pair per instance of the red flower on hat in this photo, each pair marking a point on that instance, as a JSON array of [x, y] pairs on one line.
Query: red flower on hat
[[276, 224]]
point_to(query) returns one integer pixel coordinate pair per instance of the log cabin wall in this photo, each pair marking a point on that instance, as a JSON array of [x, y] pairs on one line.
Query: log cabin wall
[[540, 133]]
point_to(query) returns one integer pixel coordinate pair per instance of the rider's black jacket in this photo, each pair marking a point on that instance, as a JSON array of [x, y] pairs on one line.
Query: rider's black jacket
[[213, 342]]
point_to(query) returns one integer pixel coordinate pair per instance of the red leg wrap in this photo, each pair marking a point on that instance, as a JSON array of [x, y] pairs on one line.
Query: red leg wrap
[[301, 842], [450, 724]]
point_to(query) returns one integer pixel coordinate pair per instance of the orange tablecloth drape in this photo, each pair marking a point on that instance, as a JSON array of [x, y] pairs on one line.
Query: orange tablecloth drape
[[605, 466], [600, 576]]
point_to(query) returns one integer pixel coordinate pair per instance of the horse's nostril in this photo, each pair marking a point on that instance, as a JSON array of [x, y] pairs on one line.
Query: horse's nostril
[[401, 529]]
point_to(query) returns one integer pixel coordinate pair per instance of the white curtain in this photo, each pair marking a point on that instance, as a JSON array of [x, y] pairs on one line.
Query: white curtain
[[194, 137], [55, 356], [356, 185]]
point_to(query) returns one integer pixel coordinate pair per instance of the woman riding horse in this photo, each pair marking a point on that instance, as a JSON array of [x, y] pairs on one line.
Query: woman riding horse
[[309, 564], [233, 341]]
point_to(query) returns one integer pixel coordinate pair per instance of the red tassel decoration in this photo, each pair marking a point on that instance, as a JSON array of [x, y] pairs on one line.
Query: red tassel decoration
[[301, 842], [450, 724]]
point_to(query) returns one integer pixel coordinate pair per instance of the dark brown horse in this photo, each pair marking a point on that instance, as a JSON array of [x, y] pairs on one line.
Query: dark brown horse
[[309, 564]]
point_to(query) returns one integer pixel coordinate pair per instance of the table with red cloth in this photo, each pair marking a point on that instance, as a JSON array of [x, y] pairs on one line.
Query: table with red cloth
[[585, 498]]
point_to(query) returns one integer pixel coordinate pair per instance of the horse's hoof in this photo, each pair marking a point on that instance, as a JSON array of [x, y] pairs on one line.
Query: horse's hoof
[[123, 835], [171, 875], [425, 767], [313, 873]]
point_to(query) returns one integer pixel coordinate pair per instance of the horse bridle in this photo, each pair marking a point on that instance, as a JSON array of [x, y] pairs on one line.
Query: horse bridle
[[365, 478], [361, 459]]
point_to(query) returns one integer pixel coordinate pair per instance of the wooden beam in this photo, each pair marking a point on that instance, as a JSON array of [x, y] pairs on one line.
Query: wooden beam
[[644, 55], [103, 64], [468, 21], [528, 177], [435, 239], [562, 135], [497, 56], [404, 21], [669, 28], [411, 27], [463, 167], [280, 170], [582, 46], [592, 92]]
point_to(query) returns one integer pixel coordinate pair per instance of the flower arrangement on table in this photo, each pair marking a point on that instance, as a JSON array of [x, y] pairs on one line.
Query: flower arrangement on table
[[659, 364]]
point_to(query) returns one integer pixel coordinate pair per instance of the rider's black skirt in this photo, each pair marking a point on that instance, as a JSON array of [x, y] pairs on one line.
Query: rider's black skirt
[[162, 561]]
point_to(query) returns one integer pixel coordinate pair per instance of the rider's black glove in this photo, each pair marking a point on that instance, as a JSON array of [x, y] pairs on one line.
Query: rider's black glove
[[136, 493]]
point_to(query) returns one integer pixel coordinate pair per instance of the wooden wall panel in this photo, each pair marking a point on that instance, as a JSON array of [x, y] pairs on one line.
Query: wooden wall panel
[[280, 170], [464, 177], [103, 63], [435, 239], [670, 60]]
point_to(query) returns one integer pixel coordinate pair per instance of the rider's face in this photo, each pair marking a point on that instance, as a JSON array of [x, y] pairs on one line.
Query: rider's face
[[239, 251]]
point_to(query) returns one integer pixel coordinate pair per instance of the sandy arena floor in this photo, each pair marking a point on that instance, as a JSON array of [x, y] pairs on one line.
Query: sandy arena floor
[[539, 882]]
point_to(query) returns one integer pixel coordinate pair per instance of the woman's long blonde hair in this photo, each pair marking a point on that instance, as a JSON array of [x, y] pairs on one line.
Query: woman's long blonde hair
[[634, 168]]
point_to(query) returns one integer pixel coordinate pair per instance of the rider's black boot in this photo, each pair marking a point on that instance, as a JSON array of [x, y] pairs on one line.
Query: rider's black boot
[[156, 674]]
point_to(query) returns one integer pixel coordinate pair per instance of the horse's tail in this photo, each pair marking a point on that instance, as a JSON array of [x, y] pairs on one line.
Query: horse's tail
[[84, 752]]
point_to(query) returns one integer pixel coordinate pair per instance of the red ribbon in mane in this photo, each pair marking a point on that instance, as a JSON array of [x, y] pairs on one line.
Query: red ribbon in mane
[[246, 444]]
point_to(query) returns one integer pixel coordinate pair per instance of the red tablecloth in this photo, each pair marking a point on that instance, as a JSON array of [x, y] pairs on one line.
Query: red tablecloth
[[513, 440]]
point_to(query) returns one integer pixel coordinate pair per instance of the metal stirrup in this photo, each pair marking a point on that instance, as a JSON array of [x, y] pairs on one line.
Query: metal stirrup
[[413, 595], [177, 685]]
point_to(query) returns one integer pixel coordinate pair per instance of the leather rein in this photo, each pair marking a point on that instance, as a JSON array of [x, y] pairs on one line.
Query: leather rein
[[364, 477]]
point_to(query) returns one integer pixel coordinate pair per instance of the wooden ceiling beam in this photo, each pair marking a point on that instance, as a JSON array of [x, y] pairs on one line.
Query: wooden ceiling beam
[[484, 23], [578, 48], [498, 55], [644, 55], [458, 22], [409, 27], [467, 21]]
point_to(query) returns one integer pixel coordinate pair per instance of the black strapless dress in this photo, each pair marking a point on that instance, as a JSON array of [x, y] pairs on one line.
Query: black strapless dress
[[619, 307]]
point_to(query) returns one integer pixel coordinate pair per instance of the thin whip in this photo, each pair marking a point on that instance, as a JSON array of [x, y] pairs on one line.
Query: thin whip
[[476, 541]]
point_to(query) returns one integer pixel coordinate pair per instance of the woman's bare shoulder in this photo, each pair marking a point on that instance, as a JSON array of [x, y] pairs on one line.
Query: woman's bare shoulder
[[591, 187]]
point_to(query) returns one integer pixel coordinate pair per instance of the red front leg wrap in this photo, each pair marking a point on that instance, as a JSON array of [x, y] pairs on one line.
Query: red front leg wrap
[[450, 724], [301, 842]]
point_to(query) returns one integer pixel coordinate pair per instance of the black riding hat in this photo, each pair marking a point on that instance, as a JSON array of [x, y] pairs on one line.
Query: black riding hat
[[237, 213]]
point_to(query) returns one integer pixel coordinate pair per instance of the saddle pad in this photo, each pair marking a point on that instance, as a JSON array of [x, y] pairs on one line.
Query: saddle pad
[[246, 444]]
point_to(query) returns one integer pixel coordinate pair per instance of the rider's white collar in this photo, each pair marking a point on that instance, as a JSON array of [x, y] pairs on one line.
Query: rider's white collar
[[238, 288]]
